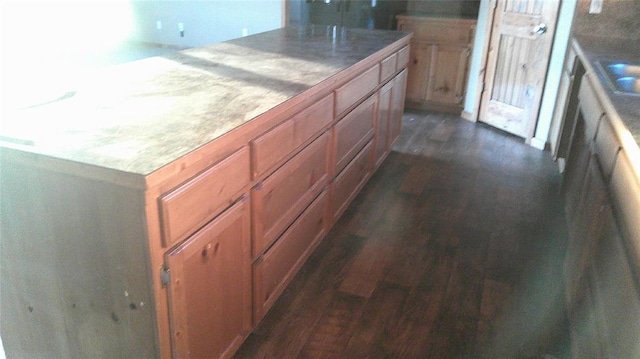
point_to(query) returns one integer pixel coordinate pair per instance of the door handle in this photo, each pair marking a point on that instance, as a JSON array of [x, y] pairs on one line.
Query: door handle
[[539, 29]]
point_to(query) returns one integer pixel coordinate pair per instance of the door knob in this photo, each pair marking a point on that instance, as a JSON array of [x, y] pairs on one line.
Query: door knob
[[540, 29]]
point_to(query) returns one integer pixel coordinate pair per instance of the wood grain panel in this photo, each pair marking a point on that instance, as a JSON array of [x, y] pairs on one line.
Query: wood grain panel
[[277, 267], [197, 201], [347, 184], [388, 67], [272, 148], [279, 199], [210, 289], [353, 132], [355, 90]]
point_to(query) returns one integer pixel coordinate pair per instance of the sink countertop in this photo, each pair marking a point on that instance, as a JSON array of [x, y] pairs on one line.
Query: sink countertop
[[595, 49], [140, 116]]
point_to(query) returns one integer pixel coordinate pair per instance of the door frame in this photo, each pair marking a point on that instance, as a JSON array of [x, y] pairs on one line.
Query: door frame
[[559, 49]]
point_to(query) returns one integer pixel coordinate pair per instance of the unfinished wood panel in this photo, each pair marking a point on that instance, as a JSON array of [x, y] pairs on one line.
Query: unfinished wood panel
[[347, 184], [210, 287], [420, 68], [277, 267], [280, 198], [272, 148], [197, 201], [355, 90], [447, 84], [353, 132], [74, 267]]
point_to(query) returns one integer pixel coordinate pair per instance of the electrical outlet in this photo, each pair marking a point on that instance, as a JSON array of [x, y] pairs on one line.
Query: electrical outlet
[[159, 25], [595, 7]]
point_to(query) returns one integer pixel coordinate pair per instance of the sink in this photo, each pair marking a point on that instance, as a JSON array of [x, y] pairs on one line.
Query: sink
[[624, 78], [629, 84]]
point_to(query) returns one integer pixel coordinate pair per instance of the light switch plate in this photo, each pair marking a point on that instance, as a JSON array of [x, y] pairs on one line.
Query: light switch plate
[[595, 7]]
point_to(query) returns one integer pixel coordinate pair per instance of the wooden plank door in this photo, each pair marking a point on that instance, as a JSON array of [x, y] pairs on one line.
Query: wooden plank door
[[517, 62]]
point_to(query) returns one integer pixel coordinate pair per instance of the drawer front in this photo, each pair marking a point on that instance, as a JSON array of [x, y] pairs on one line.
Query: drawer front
[[353, 132], [270, 149], [626, 199], [403, 58], [194, 203], [388, 67], [607, 146], [590, 105], [356, 89], [275, 269], [350, 181], [280, 198]]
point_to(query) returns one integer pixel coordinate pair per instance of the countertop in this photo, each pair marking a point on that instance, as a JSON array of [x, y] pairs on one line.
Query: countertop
[[140, 116], [622, 109]]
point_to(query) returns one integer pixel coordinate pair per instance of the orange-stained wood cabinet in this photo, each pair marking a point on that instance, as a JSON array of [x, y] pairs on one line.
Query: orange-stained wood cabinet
[[280, 198], [275, 269], [348, 183], [353, 132], [382, 138], [210, 287]]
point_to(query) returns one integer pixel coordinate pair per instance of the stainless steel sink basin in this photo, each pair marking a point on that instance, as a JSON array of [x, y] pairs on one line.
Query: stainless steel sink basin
[[623, 78], [629, 84]]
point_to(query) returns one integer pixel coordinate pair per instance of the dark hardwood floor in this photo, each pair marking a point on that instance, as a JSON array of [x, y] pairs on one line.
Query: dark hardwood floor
[[453, 250]]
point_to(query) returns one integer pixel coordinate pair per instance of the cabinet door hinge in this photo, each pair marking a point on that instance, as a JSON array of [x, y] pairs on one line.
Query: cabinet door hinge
[[165, 276]]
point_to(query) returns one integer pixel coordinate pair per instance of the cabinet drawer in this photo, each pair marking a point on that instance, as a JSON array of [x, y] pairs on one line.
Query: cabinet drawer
[[590, 106], [607, 146], [356, 89], [403, 58], [280, 198], [388, 67], [273, 147], [194, 203], [350, 181], [273, 271], [626, 199], [353, 132]]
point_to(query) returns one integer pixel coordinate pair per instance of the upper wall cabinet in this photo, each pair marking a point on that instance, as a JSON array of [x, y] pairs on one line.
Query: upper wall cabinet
[[439, 62]]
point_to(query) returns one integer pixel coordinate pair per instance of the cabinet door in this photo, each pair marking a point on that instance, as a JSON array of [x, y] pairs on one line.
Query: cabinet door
[[616, 292], [397, 107], [585, 228], [576, 168], [447, 79], [210, 287], [382, 137], [419, 67]]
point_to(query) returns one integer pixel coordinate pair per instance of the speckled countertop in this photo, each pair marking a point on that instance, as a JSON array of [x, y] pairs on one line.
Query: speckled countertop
[[140, 116], [596, 49]]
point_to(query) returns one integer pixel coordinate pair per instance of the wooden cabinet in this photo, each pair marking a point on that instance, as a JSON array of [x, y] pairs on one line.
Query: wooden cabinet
[[210, 289], [439, 61], [601, 267]]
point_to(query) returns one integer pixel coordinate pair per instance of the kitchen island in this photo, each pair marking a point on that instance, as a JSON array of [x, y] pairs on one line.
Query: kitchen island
[[161, 207]]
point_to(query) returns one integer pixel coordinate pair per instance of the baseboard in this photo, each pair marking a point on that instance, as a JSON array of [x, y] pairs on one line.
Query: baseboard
[[538, 143], [468, 116]]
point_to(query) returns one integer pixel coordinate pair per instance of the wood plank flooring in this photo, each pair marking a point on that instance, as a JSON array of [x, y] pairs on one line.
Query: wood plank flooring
[[452, 250]]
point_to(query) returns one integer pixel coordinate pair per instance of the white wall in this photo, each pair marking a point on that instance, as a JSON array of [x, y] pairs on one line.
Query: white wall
[[563, 30], [205, 22]]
